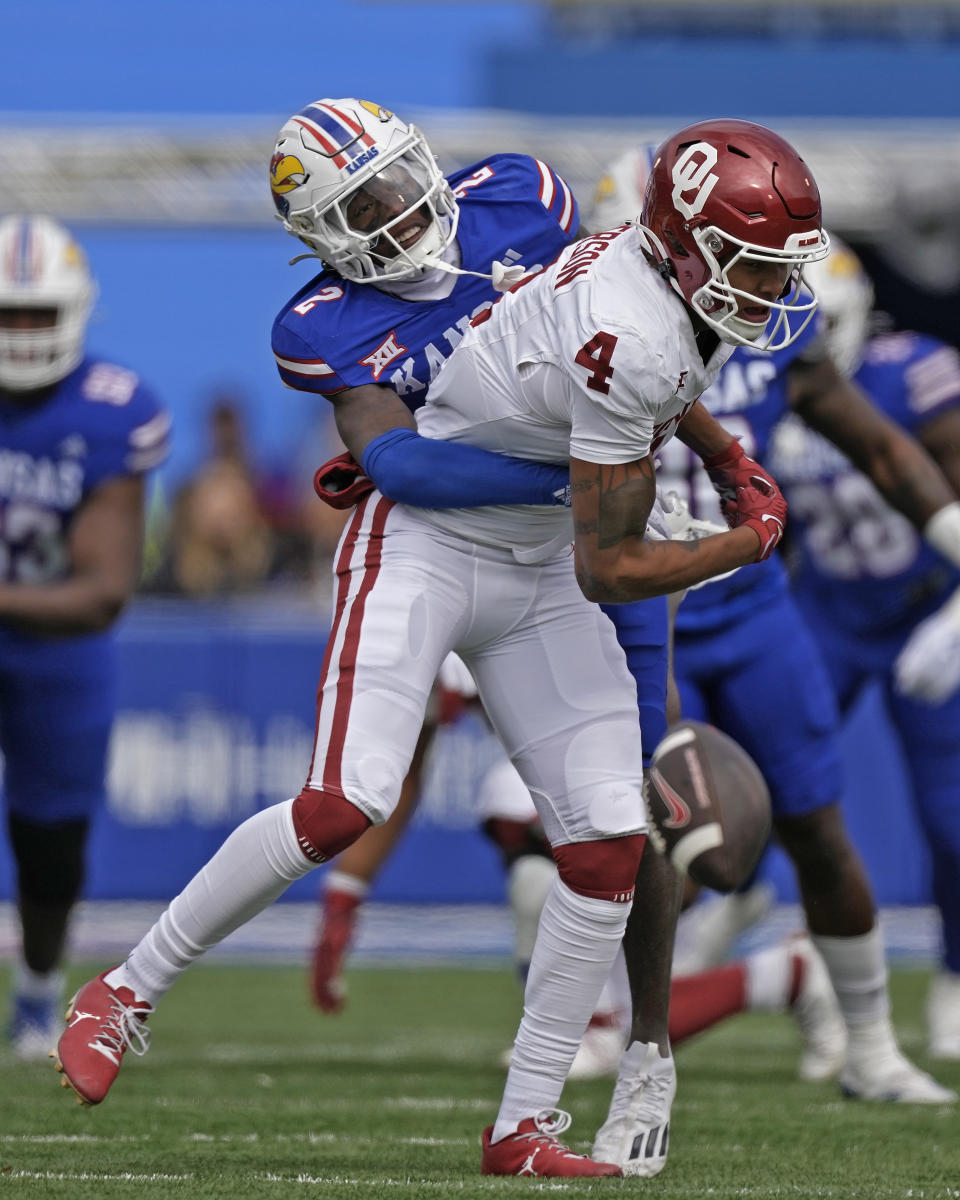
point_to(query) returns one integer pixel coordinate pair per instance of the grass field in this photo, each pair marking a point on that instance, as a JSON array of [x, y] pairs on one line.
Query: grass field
[[248, 1092]]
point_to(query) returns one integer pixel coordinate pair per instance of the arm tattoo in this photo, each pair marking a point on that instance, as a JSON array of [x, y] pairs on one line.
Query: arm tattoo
[[625, 495]]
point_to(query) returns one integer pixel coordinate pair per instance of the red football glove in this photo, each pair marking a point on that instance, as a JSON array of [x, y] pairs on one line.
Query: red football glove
[[341, 483], [760, 507], [748, 495], [732, 469]]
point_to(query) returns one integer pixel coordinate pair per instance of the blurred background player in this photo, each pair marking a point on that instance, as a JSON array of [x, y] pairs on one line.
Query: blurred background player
[[77, 436], [745, 661], [882, 603]]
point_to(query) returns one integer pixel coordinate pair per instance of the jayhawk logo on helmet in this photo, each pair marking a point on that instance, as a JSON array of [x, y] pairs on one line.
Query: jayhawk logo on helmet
[[286, 173], [381, 113]]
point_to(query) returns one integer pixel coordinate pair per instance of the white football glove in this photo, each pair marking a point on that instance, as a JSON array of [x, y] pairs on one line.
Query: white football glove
[[682, 526], [928, 666]]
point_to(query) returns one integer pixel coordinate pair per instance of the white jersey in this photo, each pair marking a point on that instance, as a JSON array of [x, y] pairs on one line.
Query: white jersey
[[595, 358]]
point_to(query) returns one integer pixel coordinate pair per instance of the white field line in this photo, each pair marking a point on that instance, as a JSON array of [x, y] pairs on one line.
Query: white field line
[[311, 1105], [93, 1177], [787, 1192], [305, 1139]]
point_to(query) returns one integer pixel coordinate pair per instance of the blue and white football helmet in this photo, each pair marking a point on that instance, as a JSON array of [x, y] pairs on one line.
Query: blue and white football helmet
[[362, 190], [42, 269], [846, 296], [618, 196]]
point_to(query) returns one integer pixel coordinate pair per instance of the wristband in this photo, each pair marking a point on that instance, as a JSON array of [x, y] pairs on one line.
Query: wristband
[[942, 532]]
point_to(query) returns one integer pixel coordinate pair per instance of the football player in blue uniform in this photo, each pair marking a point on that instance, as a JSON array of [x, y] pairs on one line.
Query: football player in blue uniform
[[744, 660], [883, 604], [353, 336], [77, 437]]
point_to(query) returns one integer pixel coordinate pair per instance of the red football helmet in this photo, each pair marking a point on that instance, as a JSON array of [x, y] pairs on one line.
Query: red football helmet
[[724, 192]]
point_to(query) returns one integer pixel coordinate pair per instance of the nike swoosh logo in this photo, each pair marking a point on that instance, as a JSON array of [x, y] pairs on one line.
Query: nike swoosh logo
[[777, 533]]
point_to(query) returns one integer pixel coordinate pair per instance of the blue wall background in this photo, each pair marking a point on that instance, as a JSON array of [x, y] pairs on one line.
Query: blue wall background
[[243, 56]]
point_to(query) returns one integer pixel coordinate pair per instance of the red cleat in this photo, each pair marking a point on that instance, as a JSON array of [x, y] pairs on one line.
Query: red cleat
[[336, 934], [535, 1150], [102, 1024]]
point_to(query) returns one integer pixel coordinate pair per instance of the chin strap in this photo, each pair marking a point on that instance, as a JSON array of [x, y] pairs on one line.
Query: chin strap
[[501, 275]]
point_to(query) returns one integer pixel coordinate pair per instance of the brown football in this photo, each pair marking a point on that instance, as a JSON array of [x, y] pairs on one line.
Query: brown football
[[709, 805]]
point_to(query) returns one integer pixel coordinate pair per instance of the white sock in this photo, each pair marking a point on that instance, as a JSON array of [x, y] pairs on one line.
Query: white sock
[[578, 940], [858, 972], [528, 883], [342, 881], [32, 985], [769, 976], [257, 862]]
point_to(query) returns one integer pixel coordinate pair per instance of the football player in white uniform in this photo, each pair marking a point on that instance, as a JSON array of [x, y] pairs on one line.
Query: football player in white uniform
[[596, 361]]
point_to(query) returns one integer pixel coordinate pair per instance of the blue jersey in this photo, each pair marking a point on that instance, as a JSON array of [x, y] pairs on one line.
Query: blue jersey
[[336, 334], [856, 554], [57, 693], [748, 398], [97, 423]]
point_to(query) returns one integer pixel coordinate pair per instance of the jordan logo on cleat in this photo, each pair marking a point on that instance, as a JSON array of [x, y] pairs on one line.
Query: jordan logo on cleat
[[528, 1167], [77, 1016]]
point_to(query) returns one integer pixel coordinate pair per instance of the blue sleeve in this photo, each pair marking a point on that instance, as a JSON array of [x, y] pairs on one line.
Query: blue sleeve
[[427, 473]]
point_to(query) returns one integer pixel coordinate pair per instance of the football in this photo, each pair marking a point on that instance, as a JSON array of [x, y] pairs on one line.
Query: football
[[709, 805]]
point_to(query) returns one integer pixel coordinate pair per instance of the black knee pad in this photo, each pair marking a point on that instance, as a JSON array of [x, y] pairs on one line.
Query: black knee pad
[[50, 859]]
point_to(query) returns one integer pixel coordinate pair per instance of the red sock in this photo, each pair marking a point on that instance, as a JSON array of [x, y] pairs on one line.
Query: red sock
[[699, 1001], [604, 1020], [335, 901]]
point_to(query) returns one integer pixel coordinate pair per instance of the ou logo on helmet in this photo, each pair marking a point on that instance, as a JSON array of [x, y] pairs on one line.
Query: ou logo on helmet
[[692, 173]]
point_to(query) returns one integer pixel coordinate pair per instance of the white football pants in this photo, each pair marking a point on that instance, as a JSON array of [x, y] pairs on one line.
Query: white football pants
[[550, 673]]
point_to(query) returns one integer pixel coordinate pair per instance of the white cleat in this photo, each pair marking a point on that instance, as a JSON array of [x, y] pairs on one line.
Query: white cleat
[[35, 1045], [599, 1052], [889, 1076], [35, 1024], [943, 1016], [818, 1018], [636, 1133]]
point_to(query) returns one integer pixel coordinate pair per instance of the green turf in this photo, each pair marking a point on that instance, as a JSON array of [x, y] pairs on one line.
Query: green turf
[[247, 1091]]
